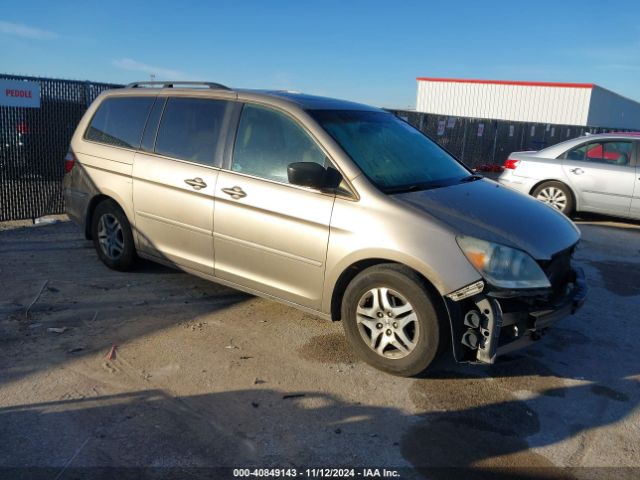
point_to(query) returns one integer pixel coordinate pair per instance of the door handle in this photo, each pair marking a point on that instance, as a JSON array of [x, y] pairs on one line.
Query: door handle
[[197, 183], [577, 171], [235, 192]]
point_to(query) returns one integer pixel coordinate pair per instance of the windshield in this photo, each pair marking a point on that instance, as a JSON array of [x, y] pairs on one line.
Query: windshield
[[391, 153]]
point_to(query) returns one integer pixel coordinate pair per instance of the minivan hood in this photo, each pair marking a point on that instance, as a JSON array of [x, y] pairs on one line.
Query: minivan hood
[[487, 210]]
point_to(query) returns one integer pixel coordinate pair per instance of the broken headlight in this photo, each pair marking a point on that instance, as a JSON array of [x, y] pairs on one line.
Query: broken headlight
[[503, 266]]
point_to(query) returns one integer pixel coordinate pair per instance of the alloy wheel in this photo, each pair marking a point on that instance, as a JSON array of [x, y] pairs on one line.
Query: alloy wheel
[[387, 322], [110, 236], [554, 197]]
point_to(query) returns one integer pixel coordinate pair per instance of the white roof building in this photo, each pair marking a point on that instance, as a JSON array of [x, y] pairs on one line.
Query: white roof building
[[583, 104]]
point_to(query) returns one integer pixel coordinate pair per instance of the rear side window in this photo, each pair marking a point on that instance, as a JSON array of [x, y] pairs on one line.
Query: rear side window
[[190, 129], [119, 121], [575, 153], [611, 152]]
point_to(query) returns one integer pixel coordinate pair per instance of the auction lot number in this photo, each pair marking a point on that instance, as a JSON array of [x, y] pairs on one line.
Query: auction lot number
[[315, 472]]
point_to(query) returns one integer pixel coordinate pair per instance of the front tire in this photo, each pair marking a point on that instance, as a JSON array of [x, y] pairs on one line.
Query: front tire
[[112, 236], [555, 194], [390, 320]]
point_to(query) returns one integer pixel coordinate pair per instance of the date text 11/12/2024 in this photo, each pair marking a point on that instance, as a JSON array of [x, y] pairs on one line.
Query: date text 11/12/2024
[[316, 473]]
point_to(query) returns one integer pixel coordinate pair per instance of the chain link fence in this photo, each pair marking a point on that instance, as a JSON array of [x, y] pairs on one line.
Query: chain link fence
[[485, 144], [33, 144]]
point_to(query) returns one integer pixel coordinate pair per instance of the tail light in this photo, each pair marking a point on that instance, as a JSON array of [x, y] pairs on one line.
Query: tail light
[[511, 164], [22, 128], [69, 162], [489, 167]]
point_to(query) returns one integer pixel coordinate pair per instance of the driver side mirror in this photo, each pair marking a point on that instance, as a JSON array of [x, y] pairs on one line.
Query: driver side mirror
[[307, 174]]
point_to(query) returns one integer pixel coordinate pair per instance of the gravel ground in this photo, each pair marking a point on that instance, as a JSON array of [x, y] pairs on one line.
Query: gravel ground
[[204, 376]]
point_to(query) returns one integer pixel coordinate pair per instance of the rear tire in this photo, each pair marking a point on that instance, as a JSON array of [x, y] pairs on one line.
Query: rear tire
[[112, 236], [557, 195], [390, 320]]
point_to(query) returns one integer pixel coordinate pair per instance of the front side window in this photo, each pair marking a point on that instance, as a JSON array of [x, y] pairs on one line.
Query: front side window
[[391, 153], [119, 121], [612, 153], [268, 141], [190, 129]]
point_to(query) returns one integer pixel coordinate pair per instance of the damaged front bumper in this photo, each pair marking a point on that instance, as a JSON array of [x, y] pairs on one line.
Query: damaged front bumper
[[493, 322]]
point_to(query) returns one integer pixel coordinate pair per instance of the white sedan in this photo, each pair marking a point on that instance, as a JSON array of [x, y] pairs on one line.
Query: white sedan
[[594, 173]]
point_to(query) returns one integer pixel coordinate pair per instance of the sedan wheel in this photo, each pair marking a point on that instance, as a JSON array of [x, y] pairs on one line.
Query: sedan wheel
[[557, 195], [554, 197]]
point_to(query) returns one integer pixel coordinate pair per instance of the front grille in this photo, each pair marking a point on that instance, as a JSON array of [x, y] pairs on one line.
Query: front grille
[[558, 271]]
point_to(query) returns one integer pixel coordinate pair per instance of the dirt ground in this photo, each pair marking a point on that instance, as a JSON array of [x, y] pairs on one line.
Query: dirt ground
[[204, 376]]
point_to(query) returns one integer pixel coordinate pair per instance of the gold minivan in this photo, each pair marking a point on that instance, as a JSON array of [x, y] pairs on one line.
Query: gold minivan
[[337, 208]]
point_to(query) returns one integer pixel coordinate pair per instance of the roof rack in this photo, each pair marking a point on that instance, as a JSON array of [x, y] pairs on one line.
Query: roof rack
[[212, 85]]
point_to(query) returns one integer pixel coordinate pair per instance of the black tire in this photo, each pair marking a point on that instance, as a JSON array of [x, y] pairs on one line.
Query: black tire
[[126, 257], [426, 336], [567, 207]]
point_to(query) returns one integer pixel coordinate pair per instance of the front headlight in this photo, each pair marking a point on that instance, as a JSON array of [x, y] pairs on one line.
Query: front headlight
[[502, 266]]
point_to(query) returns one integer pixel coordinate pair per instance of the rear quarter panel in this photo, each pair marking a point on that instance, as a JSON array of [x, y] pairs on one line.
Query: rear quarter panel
[[100, 170], [539, 168]]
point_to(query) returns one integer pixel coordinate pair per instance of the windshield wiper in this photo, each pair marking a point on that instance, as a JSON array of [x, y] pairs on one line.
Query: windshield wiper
[[404, 188], [471, 178], [413, 188]]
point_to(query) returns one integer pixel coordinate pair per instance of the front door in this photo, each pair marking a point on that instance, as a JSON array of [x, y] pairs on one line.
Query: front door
[[271, 236]]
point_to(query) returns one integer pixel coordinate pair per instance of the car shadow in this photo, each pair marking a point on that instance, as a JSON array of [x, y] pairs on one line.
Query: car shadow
[[607, 221], [152, 434], [58, 298]]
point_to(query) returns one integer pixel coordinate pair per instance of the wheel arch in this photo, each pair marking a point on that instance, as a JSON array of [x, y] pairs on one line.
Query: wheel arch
[[350, 272], [91, 208], [574, 197]]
